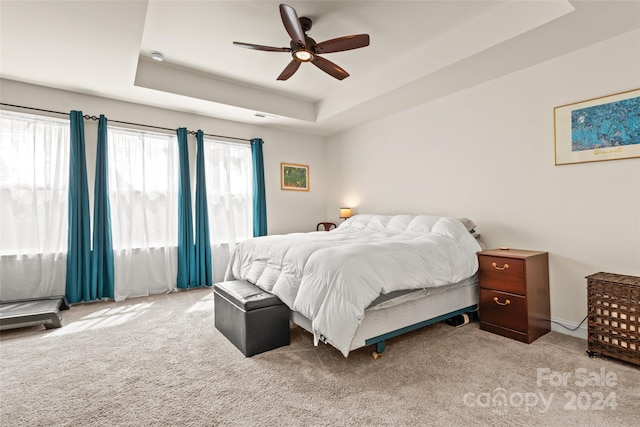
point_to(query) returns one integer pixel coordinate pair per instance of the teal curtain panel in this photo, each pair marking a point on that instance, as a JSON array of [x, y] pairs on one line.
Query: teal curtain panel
[[259, 198], [186, 252], [204, 272], [78, 282], [102, 253]]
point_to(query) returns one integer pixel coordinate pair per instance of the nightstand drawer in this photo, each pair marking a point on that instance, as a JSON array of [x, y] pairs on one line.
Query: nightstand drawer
[[503, 309], [503, 274]]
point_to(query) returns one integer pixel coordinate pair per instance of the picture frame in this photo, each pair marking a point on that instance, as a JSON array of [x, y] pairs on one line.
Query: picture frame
[[598, 129], [294, 177]]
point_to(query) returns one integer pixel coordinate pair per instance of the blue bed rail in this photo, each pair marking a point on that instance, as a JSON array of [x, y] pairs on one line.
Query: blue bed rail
[[379, 341]]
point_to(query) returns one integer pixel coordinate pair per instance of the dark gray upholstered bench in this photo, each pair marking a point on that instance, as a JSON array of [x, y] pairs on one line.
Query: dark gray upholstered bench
[[253, 320]]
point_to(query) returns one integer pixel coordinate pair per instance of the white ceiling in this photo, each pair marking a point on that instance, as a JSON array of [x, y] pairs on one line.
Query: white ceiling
[[420, 51]]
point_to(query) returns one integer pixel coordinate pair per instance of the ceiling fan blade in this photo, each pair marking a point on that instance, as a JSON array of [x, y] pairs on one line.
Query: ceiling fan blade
[[289, 70], [330, 68], [292, 24], [343, 43], [260, 47]]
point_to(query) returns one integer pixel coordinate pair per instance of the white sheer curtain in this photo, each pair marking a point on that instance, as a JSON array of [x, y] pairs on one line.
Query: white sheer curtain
[[34, 180], [143, 193], [229, 199]]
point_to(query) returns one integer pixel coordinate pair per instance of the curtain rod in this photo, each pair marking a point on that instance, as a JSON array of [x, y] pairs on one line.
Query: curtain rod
[[94, 118]]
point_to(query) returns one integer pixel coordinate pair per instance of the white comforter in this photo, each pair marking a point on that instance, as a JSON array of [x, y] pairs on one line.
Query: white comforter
[[332, 277]]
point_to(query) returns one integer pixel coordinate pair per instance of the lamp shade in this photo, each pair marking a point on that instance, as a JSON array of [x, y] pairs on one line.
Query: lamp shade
[[345, 213]]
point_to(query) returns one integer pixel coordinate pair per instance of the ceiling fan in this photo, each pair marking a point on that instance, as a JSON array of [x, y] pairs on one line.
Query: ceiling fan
[[304, 49]]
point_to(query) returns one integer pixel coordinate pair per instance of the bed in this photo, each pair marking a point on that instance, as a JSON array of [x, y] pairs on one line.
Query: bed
[[371, 278]]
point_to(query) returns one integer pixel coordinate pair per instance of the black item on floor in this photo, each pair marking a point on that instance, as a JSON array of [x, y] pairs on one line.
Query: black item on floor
[[29, 312], [462, 319], [253, 320]]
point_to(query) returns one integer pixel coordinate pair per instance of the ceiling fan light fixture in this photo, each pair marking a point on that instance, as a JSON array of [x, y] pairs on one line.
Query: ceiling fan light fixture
[[303, 55], [304, 49]]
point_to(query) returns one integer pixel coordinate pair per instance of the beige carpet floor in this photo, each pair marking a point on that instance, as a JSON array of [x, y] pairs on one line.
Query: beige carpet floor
[[159, 361]]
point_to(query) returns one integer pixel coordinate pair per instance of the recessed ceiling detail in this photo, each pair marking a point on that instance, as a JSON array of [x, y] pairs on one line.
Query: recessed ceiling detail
[[441, 47]]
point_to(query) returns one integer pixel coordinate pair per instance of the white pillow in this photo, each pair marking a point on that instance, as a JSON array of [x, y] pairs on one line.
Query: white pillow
[[468, 223]]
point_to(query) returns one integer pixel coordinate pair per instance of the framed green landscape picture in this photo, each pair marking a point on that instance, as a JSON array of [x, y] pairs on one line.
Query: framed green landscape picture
[[294, 177]]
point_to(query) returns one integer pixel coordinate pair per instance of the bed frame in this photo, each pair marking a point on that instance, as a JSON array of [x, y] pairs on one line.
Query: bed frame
[[381, 324]]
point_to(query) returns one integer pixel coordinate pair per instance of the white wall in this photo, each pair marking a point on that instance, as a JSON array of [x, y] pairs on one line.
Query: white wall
[[488, 153], [287, 211]]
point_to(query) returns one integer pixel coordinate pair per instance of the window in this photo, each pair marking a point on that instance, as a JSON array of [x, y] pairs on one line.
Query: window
[[34, 181], [143, 194], [34, 223], [143, 188], [229, 191]]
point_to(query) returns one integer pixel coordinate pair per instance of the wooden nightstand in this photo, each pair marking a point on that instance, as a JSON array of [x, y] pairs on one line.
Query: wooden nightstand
[[514, 293]]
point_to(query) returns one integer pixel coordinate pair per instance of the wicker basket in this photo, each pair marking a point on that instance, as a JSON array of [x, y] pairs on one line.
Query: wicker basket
[[614, 316]]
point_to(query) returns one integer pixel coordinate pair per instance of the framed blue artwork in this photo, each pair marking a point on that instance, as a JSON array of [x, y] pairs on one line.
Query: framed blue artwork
[[605, 128]]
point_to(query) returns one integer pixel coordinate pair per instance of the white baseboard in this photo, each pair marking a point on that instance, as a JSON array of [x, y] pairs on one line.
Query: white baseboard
[[581, 332]]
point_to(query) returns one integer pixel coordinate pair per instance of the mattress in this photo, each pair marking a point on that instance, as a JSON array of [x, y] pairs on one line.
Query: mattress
[[406, 309], [402, 296]]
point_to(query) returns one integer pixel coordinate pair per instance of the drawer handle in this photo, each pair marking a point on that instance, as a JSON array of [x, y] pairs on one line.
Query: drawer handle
[[504, 267], [507, 302]]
